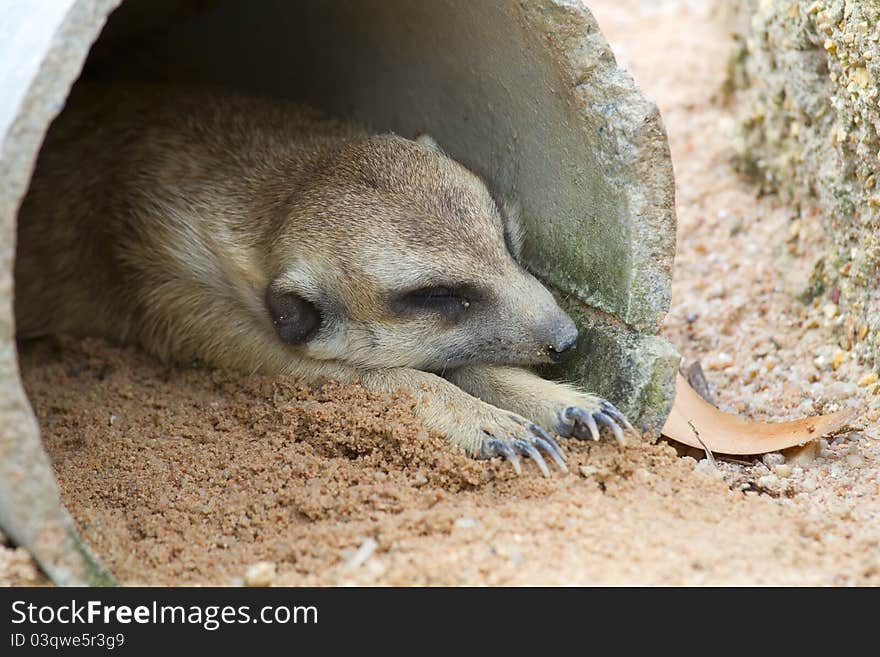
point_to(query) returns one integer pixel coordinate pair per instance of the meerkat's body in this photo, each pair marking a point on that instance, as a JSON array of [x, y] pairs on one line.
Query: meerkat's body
[[258, 236]]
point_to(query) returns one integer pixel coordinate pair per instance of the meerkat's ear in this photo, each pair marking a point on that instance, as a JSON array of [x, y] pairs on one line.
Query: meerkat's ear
[[295, 319], [427, 140], [514, 233]]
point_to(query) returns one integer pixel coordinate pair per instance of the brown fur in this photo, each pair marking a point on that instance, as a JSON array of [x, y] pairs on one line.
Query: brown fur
[[179, 220]]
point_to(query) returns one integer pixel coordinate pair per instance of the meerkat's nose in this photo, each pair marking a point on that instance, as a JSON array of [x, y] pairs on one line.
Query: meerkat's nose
[[563, 337]]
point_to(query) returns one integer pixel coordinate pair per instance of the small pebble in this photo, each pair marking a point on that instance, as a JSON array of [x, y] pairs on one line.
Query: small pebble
[[364, 552], [375, 568], [768, 481], [592, 471], [801, 456], [261, 573], [721, 362], [641, 475], [464, 523], [705, 467], [782, 470], [773, 458], [868, 379], [842, 389]]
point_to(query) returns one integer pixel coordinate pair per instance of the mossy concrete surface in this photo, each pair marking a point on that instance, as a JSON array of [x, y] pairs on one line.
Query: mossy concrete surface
[[808, 74], [528, 94]]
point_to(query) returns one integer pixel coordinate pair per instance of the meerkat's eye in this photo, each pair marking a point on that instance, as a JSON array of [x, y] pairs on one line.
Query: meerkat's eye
[[449, 301]]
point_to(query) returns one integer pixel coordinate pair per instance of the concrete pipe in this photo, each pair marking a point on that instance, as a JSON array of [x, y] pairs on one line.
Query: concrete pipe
[[527, 94]]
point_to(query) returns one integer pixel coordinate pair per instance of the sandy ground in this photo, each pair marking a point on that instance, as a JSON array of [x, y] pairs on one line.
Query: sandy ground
[[183, 476]]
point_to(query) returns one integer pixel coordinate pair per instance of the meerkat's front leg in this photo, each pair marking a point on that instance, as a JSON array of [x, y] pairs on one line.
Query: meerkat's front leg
[[555, 406], [480, 428]]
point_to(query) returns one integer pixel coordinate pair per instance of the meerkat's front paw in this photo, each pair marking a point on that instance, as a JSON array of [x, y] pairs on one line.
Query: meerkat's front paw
[[562, 408], [486, 431], [583, 417]]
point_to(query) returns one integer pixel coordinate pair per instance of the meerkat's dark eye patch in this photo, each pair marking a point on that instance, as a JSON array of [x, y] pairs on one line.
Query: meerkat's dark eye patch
[[295, 319], [449, 301]]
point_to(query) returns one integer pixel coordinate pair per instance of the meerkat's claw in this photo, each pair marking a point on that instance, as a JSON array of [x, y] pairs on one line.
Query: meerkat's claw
[[527, 449], [604, 420], [586, 424], [496, 447], [609, 409], [557, 458], [525, 445], [545, 441], [582, 421]]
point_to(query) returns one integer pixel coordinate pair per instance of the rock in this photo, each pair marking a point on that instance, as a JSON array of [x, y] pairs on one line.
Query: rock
[[591, 471], [720, 361], [363, 553], [805, 455], [261, 573], [697, 380], [642, 475], [770, 482], [708, 468], [783, 470], [464, 522]]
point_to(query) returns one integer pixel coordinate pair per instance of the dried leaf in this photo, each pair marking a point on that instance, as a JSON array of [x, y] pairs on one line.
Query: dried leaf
[[723, 433]]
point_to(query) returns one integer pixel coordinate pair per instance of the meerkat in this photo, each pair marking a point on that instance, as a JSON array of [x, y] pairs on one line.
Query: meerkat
[[258, 235]]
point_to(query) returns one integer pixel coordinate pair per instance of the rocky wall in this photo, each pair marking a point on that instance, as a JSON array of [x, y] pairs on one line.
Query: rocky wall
[[807, 78]]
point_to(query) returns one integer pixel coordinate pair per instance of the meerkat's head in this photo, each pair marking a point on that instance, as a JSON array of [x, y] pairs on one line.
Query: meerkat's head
[[395, 255]]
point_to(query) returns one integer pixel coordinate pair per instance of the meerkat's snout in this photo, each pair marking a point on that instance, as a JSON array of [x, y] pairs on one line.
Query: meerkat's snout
[[561, 337], [536, 329]]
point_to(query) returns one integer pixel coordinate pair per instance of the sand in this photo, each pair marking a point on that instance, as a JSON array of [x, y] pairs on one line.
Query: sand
[[193, 476]]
